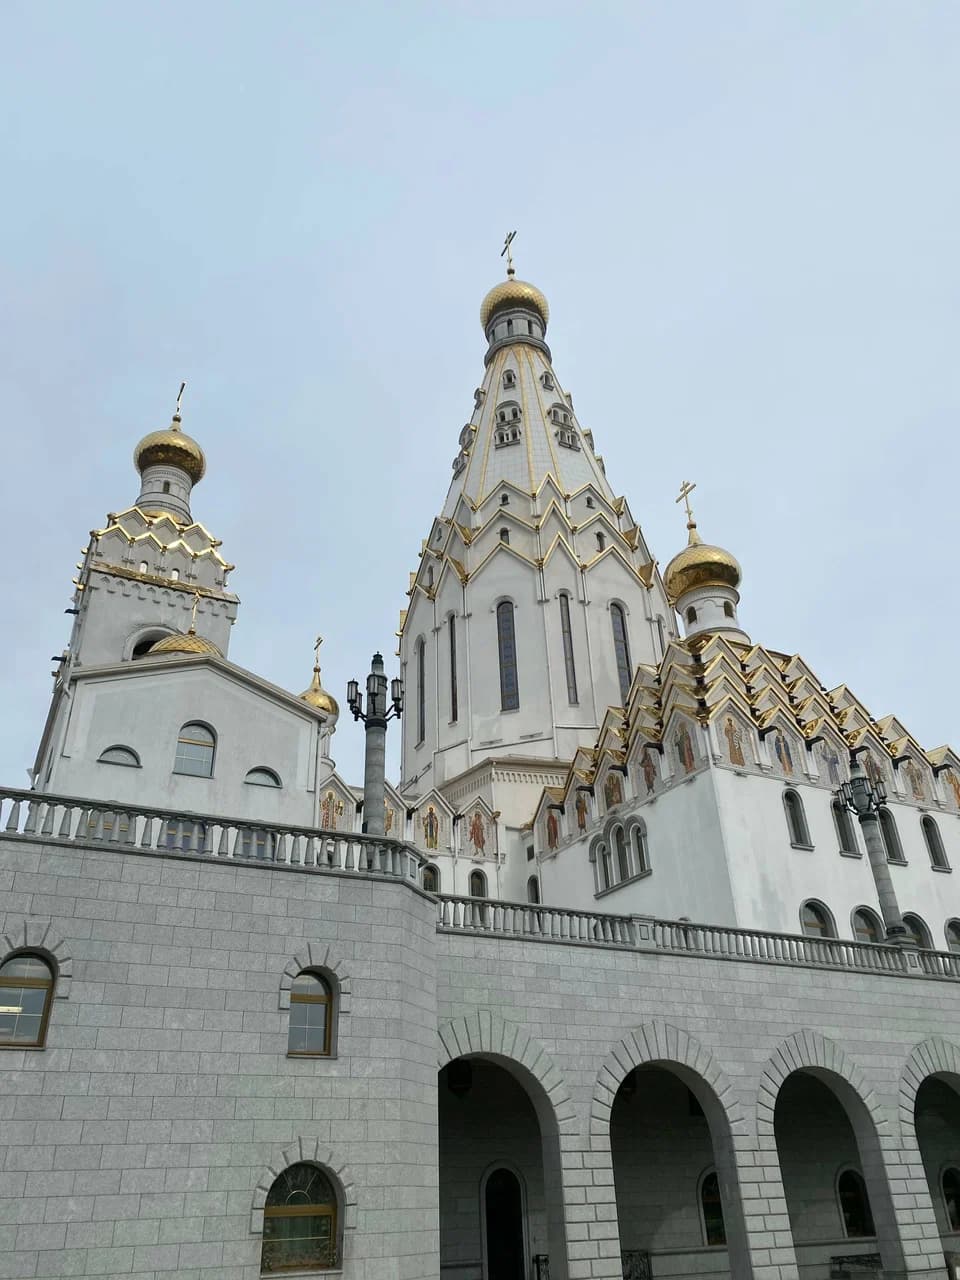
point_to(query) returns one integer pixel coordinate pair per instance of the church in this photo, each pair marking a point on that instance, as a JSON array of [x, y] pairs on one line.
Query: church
[[646, 966]]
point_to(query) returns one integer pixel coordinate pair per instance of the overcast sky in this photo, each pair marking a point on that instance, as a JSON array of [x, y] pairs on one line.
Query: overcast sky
[[745, 218]]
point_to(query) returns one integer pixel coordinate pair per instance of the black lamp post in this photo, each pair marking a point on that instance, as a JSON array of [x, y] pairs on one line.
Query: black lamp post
[[375, 720], [865, 799]]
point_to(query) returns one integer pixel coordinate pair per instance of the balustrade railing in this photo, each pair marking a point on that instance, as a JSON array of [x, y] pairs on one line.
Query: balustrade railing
[[31, 815], [644, 933]]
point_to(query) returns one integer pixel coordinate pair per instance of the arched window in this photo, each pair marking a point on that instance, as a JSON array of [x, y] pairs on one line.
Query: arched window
[[174, 575], [509, 378], [891, 837], [918, 931], [621, 649], [195, 749], [507, 650], [309, 1033], [146, 643], [931, 833], [120, 755], [854, 1204], [421, 653], [691, 615], [144, 567], [950, 1189], [844, 825], [505, 536], [566, 633], [727, 609], [478, 884], [431, 878], [300, 1222], [533, 889], [796, 820], [661, 637], [867, 926], [815, 921], [623, 861], [26, 993], [263, 777], [601, 542], [590, 502], [952, 933], [166, 486], [606, 867], [452, 628], [640, 854], [504, 499], [711, 1210], [429, 576]]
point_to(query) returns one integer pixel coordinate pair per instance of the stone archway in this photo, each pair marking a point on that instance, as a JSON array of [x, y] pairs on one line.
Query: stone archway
[[930, 1084]]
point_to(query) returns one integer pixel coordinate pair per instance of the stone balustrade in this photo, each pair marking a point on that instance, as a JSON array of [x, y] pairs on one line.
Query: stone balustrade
[[534, 921], [31, 815]]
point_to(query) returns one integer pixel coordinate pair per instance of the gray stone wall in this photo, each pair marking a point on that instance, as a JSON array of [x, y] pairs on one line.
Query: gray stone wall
[[142, 1140]]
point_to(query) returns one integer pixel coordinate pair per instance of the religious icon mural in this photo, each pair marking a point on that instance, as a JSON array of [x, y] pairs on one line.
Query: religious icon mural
[[871, 768], [553, 830], [915, 778], [582, 810], [431, 827], [388, 815], [830, 763], [648, 767], [734, 736], [612, 789], [781, 747], [477, 832], [331, 811], [953, 782], [683, 744]]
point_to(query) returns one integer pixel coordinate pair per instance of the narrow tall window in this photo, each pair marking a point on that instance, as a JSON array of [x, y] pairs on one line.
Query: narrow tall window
[[691, 615], [621, 649], [623, 861], [454, 711], [421, 691], [300, 1231], [950, 1185], [931, 833], [431, 878], [854, 1204], [505, 536], [796, 819], [311, 1008], [567, 634], [891, 837], [507, 648], [711, 1209], [952, 933], [601, 542], [661, 637], [844, 825], [195, 748], [640, 853], [26, 992], [533, 889], [478, 884]]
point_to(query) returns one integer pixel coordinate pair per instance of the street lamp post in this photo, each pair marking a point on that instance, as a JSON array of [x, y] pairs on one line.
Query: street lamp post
[[864, 798], [375, 720]]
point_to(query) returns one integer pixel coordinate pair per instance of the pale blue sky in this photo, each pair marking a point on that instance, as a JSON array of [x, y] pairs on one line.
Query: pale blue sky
[[744, 216]]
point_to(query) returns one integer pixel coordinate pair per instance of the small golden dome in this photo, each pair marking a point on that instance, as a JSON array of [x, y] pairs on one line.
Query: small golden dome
[[700, 565], [316, 696], [513, 293], [172, 448], [189, 643]]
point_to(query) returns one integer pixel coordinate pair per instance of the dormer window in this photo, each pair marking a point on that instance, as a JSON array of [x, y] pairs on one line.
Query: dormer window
[[547, 382], [509, 379], [509, 424], [567, 438]]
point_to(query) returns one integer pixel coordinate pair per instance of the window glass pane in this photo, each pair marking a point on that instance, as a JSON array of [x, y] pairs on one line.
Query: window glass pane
[[951, 1197], [713, 1225], [119, 755], [26, 967], [453, 668], [308, 1027], [866, 927], [26, 985], [567, 634], [815, 922], [621, 650], [953, 936], [854, 1205], [506, 641]]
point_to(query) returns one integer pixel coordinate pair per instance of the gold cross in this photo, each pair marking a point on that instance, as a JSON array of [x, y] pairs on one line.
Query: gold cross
[[179, 398], [506, 250], [685, 491], [316, 651]]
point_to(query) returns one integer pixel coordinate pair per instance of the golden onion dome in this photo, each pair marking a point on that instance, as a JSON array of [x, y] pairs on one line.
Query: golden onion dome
[[318, 698], [513, 293], [172, 448], [700, 565], [189, 643]]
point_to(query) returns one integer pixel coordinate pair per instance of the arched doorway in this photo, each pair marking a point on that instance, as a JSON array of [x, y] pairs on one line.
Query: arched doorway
[[678, 1197], [937, 1121], [838, 1198], [501, 1202], [504, 1225]]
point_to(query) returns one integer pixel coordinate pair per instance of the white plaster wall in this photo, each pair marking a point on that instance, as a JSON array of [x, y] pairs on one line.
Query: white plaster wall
[[145, 706]]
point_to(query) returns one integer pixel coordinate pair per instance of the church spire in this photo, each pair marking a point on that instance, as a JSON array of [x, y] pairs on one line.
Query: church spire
[[702, 582], [170, 464]]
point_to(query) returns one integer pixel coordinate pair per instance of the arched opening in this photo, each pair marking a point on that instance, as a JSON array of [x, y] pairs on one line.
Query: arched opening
[[931, 834], [833, 1174], [891, 836], [678, 1196], [918, 931], [936, 1116], [501, 1204], [867, 926], [533, 889], [301, 1222], [26, 994], [816, 921], [796, 820], [431, 878], [846, 835]]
